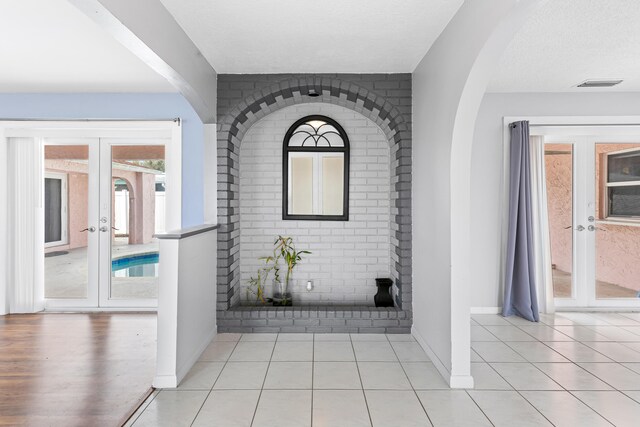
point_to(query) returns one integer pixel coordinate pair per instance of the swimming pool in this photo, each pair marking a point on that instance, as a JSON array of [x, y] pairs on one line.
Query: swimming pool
[[142, 265]]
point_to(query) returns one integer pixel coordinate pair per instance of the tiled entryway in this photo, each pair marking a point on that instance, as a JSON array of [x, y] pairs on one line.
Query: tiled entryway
[[571, 369]]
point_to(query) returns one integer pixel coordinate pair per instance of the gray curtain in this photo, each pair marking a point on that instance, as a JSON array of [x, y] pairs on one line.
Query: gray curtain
[[520, 292], [52, 210]]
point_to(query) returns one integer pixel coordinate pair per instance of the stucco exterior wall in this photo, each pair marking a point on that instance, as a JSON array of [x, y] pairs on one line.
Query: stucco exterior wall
[[142, 193], [560, 204], [617, 246]]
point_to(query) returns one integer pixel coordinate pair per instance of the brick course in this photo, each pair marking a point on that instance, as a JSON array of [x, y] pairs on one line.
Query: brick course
[[318, 319]]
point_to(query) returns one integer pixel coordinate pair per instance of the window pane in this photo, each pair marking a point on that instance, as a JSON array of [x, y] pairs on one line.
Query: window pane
[[558, 159], [298, 138], [66, 263], [301, 197], [332, 185], [624, 201], [137, 215], [334, 139], [624, 167]]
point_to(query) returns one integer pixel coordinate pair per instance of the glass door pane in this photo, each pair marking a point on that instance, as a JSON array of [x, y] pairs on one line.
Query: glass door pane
[[617, 221], [137, 200], [559, 177], [68, 231]]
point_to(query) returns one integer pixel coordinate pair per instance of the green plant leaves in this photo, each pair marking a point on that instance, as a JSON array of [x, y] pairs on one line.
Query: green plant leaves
[[284, 250]]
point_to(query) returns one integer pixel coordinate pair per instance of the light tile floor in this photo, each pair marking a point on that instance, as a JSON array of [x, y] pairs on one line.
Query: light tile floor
[[571, 369]]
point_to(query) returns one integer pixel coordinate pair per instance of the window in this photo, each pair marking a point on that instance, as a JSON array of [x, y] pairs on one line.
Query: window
[[315, 171], [622, 195]]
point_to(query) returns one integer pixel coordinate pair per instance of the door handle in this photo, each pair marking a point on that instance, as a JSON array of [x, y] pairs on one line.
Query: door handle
[[104, 228], [89, 229], [579, 228]]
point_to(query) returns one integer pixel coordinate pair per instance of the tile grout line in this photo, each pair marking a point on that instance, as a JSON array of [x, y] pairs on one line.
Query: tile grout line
[[478, 406], [360, 377], [520, 394], [563, 388], [519, 391], [217, 377], [409, 380], [264, 380], [145, 404], [635, 399], [313, 369], [481, 358], [553, 350], [588, 406]]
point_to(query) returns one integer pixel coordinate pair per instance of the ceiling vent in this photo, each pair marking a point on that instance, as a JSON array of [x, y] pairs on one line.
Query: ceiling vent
[[599, 83]]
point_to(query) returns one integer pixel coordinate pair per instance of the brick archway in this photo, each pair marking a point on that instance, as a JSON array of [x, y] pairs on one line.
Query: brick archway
[[233, 126]]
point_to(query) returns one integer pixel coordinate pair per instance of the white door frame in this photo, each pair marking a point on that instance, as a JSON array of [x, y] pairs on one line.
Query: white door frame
[[575, 129], [584, 206], [91, 299], [166, 129], [106, 211]]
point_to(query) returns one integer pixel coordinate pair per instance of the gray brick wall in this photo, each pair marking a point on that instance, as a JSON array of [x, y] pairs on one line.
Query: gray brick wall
[[346, 256], [316, 319], [244, 99]]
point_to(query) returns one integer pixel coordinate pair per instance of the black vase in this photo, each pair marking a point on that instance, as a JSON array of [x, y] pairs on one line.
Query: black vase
[[383, 297]]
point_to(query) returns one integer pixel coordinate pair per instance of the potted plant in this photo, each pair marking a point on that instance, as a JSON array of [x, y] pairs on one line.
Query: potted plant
[[256, 285], [285, 251]]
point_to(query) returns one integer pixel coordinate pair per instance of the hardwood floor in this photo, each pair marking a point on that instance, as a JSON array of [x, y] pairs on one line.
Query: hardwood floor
[[74, 369]]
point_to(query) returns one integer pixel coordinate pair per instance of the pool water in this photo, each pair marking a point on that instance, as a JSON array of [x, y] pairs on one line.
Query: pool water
[[144, 265]]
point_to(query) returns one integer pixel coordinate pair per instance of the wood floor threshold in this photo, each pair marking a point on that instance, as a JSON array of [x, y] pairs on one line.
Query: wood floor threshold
[[137, 406]]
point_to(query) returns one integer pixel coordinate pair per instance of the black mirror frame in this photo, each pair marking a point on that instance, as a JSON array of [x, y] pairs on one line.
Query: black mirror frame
[[286, 149]]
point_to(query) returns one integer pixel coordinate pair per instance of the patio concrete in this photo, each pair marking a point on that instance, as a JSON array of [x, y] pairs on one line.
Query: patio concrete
[[66, 276], [562, 287]]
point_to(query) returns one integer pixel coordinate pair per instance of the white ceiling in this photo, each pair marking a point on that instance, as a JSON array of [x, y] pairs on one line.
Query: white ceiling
[[569, 41], [312, 36], [50, 46]]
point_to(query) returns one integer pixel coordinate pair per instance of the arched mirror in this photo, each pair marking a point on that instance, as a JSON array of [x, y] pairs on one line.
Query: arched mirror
[[315, 171]]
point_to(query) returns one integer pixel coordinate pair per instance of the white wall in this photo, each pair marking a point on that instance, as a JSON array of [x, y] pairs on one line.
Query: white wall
[[186, 303], [448, 85], [4, 300], [346, 256], [487, 169]]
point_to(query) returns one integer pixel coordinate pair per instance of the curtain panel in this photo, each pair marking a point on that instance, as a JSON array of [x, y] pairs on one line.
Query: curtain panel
[[520, 297], [26, 234]]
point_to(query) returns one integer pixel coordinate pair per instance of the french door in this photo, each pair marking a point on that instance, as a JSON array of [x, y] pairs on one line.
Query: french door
[[101, 223], [593, 199]]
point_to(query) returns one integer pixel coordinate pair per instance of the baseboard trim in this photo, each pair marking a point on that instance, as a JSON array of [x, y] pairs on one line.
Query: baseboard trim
[[442, 369], [486, 310], [183, 370], [165, 381], [598, 309], [461, 381]]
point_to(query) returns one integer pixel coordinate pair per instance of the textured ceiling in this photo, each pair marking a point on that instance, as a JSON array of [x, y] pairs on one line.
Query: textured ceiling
[[569, 41], [285, 36], [50, 46]]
